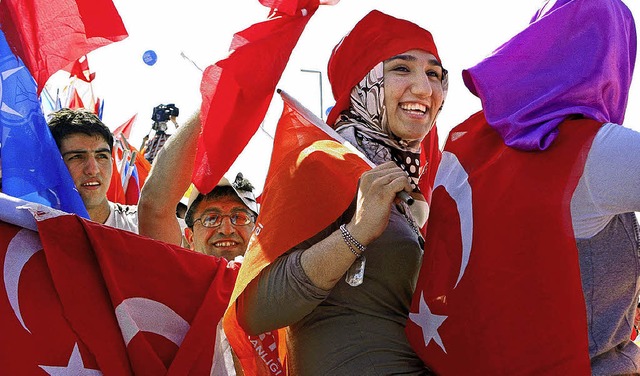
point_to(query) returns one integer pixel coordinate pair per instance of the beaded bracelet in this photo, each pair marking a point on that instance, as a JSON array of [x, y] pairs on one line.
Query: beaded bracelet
[[351, 241]]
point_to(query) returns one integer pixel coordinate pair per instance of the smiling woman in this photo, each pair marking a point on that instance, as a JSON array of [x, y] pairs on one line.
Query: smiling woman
[[357, 275], [414, 94]]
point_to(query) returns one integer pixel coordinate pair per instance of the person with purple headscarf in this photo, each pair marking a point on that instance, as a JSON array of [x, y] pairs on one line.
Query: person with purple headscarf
[[545, 182]]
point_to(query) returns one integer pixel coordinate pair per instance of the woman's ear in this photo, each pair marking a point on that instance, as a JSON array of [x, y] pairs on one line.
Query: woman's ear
[[188, 235]]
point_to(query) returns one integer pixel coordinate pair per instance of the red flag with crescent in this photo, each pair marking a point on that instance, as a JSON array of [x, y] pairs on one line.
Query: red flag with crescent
[[499, 291], [80, 69], [306, 162], [82, 298]]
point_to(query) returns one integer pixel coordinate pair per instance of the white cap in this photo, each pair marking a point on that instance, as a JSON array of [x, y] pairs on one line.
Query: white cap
[[247, 197]]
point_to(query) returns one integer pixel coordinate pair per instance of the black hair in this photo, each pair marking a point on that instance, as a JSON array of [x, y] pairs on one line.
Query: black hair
[[216, 193], [67, 122]]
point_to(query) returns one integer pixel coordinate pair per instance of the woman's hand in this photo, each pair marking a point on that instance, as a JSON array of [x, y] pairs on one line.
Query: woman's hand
[[376, 193]]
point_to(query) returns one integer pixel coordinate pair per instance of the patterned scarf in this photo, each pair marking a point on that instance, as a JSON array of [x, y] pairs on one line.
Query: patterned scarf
[[367, 115]]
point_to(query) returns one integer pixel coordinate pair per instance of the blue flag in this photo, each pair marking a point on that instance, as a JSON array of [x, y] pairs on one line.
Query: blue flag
[[32, 167]]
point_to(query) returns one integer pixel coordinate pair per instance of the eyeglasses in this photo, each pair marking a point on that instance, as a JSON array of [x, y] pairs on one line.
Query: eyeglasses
[[214, 219]]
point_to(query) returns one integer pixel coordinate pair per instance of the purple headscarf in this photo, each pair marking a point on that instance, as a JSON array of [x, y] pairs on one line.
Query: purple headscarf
[[576, 57]]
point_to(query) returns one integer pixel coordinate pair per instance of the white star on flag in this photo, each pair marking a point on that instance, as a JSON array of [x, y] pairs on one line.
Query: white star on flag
[[429, 323], [74, 368]]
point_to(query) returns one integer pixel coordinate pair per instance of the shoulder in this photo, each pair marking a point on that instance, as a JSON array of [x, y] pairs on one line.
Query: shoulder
[[613, 139]]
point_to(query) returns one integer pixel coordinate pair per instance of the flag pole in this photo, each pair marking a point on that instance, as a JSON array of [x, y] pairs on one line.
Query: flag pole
[[192, 62]]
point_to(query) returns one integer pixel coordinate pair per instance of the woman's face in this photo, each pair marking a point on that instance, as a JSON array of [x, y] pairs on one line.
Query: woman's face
[[413, 93]]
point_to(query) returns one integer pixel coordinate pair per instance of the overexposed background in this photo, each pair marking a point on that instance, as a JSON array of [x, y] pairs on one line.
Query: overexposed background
[[465, 31]]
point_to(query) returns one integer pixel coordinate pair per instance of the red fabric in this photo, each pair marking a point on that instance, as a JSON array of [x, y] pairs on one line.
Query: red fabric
[[132, 193], [96, 108], [375, 38], [50, 34], [239, 88], [143, 166], [310, 175], [75, 102], [125, 128], [69, 291], [80, 69], [430, 158], [115, 193], [517, 307]]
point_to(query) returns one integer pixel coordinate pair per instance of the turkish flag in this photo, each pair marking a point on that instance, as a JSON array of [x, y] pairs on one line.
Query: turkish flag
[[125, 128], [115, 193], [130, 167], [132, 191], [499, 291], [77, 296], [50, 34], [80, 69], [143, 167], [430, 156], [240, 87], [76, 101], [305, 163]]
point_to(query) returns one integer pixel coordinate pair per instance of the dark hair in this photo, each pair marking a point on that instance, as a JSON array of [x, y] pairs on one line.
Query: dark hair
[[216, 193], [67, 122]]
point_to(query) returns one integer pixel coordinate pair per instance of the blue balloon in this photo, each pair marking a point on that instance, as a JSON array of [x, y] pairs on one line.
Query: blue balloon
[[149, 57]]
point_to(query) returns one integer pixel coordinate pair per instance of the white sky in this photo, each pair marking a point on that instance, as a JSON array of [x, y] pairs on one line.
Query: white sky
[[464, 30]]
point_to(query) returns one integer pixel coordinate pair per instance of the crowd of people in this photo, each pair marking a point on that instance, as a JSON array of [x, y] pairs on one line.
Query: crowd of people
[[548, 143]]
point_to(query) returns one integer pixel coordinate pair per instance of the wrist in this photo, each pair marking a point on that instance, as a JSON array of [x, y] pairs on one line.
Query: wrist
[[354, 246], [358, 234]]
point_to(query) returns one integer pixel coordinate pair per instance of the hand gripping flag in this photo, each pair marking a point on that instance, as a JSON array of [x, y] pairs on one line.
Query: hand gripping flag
[[499, 291], [77, 298], [32, 167], [306, 163], [236, 91], [51, 34]]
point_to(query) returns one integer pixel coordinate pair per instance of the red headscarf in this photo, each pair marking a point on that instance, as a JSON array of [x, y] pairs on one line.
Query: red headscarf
[[353, 57]]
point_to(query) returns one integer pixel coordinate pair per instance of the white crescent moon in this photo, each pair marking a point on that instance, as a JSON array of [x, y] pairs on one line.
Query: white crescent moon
[[22, 247], [145, 315], [455, 180]]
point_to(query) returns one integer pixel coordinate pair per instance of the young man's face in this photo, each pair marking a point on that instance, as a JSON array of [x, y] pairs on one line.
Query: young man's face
[[88, 159], [226, 240]]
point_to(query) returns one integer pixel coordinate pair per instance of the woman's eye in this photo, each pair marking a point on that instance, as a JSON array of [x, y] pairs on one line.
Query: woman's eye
[[400, 68], [433, 73]]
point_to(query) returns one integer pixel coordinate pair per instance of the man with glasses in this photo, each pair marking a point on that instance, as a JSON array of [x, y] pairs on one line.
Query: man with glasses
[[218, 223]]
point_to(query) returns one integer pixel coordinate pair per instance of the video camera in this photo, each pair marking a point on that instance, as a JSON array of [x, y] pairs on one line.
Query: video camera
[[163, 112]]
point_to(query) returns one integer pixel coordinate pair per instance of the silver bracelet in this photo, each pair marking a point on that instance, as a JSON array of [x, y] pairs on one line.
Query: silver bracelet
[[351, 241]]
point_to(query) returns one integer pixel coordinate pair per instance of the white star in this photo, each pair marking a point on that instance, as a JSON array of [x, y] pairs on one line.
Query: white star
[[429, 323], [74, 368]]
